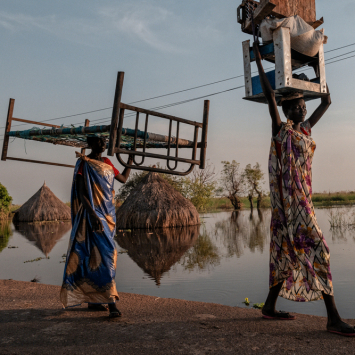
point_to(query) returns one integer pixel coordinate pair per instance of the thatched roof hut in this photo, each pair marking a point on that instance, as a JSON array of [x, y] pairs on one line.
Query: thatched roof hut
[[156, 252], [154, 203], [43, 206], [45, 235]]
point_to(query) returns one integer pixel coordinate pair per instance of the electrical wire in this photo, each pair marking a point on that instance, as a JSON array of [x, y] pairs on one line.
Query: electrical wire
[[179, 91], [220, 92]]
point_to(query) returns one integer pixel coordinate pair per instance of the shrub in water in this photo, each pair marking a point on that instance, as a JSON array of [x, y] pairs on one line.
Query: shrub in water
[[5, 202]]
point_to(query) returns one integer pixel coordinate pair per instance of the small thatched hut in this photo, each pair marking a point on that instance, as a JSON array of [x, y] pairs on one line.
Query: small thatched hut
[[43, 206], [156, 252], [154, 203], [45, 235]]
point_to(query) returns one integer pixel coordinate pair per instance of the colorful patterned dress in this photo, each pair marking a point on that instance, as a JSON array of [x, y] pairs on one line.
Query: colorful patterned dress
[[89, 273], [299, 255]]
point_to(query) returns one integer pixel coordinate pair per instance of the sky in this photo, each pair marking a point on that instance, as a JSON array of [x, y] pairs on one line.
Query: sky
[[61, 58]]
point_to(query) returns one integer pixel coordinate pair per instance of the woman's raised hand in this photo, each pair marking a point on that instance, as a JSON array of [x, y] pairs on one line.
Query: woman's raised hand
[[326, 99], [130, 159]]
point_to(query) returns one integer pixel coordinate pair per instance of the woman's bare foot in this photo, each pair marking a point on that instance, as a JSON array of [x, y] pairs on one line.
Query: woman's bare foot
[[341, 328]]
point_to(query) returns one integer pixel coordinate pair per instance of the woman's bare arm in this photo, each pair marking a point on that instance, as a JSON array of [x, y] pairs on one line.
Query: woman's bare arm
[[321, 109], [124, 176], [268, 92]]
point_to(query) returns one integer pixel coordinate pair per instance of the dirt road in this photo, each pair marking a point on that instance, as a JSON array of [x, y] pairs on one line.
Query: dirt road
[[32, 322]]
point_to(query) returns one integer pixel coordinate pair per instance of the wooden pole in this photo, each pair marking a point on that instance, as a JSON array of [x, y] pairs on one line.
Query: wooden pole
[[87, 123], [115, 112], [41, 162], [34, 122], [7, 129], [206, 109]]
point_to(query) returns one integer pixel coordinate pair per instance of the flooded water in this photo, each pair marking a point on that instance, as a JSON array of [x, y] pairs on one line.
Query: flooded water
[[223, 261]]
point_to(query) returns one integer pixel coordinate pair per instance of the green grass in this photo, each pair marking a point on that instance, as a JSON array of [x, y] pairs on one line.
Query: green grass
[[325, 199], [223, 204], [333, 199], [218, 204]]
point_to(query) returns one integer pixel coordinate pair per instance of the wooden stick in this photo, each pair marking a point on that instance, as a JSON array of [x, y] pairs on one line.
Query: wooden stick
[[87, 123], [34, 122], [7, 129], [115, 112], [41, 162], [206, 108]]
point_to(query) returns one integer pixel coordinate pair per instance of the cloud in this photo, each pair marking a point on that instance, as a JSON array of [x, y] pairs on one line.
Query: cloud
[[73, 29], [146, 23], [142, 22]]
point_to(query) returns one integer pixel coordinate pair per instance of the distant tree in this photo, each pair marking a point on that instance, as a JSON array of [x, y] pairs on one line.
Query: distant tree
[[200, 186], [254, 178], [5, 202], [232, 183]]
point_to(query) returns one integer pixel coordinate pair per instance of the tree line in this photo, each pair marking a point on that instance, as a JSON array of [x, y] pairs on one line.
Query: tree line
[[202, 185]]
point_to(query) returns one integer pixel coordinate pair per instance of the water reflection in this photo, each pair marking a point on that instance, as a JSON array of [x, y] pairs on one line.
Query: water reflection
[[202, 255], [242, 230], [5, 234], [342, 234], [342, 223], [156, 252], [44, 235], [223, 261]]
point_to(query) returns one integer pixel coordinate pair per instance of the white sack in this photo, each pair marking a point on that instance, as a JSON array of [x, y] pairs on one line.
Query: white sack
[[304, 38]]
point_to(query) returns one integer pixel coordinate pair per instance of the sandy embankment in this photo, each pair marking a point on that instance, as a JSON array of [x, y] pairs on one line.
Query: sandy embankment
[[32, 322]]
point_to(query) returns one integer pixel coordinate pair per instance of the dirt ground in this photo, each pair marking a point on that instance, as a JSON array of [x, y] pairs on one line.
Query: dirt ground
[[32, 322]]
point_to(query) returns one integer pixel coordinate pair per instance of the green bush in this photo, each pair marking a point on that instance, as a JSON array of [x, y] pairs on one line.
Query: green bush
[[337, 198], [5, 202]]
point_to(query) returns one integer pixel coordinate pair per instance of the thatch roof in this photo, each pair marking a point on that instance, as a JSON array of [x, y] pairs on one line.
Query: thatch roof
[[45, 235], [154, 203], [156, 252], [43, 206]]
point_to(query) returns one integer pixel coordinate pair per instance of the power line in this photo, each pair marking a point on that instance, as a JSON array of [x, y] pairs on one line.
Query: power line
[[134, 102], [184, 90], [339, 60], [336, 49], [341, 55], [178, 103], [220, 92], [189, 100]]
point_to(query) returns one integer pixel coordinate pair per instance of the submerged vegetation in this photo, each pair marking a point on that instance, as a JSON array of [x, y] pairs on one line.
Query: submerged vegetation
[[5, 234], [340, 218]]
